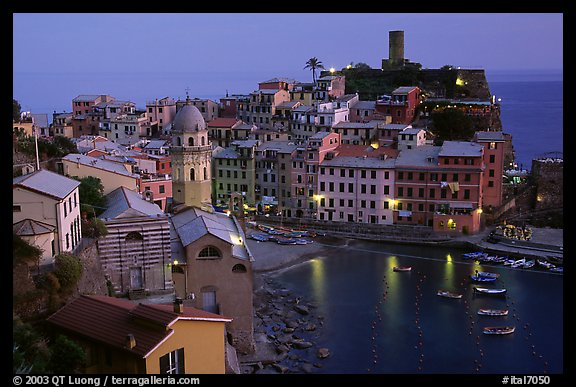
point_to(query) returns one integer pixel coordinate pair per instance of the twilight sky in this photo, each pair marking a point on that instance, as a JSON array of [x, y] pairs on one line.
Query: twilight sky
[[221, 45], [284, 41]]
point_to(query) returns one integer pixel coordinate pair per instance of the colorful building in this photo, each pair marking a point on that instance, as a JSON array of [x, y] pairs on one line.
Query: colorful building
[[122, 337], [51, 201], [212, 269], [401, 105]]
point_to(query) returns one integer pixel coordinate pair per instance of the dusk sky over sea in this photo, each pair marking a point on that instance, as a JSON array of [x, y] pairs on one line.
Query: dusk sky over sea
[[273, 43]]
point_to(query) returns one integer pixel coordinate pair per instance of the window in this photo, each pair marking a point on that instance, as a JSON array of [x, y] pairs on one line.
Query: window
[[420, 192], [363, 188], [16, 208], [363, 203], [173, 362], [350, 187], [192, 174], [409, 192], [341, 202], [421, 176], [455, 177], [65, 211], [466, 194], [492, 145], [492, 158], [490, 183], [75, 201], [386, 205], [400, 175], [342, 173], [239, 268], [372, 189], [351, 173], [322, 186], [400, 192], [446, 161], [410, 175], [386, 190], [467, 177], [443, 193], [444, 177], [209, 252], [363, 174], [350, 203], [432, 193], [331, 171], [386, 175], [491, 173], [161, 189]]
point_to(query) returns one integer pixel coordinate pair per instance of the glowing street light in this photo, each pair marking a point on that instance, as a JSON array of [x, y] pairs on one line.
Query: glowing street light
[[332, 70]]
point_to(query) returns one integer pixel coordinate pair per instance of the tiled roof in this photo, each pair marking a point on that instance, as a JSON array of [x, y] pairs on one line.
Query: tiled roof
[[404, 89], [156, 144], [358, 162], [489, 136], [31, 227], [461, 148], [193, 223], [350, 150], [93, 162], [421, 156], [226, 153], [86, 98], [396, 126], [122, 199], [222, 122], [47, 182], [280, 79], [367, 105], [109, 320]]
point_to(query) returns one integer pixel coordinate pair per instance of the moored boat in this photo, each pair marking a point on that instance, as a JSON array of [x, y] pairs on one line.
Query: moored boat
[[402, 268], [496, 292], [505, 330], [559, 269], [529, 264], [479, 278], [448, 294], [487, 274], [545, 264], [519, 263], [493, 312]]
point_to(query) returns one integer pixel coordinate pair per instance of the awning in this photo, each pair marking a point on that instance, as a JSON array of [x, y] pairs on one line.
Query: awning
[[404, 213], [466, 205]]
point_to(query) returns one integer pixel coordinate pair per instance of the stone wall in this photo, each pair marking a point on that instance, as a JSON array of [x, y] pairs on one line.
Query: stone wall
[[548, 176]]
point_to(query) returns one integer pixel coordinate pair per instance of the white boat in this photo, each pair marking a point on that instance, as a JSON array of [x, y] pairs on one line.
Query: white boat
[[499, 330], [529, 264], [493, 312], [519, 263], [545, 264], [495, 292]]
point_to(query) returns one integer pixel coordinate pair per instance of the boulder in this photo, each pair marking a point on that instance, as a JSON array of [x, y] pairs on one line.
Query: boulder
[[323, 353]]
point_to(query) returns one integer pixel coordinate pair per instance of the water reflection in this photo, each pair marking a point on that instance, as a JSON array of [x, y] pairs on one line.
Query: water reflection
[[318, 278]]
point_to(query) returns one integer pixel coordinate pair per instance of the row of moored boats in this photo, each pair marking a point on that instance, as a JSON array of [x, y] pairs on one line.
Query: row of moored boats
[[522, 263]]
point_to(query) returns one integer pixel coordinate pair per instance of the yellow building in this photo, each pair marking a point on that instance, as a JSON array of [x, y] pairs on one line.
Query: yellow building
[[122, 337], [112, 174]]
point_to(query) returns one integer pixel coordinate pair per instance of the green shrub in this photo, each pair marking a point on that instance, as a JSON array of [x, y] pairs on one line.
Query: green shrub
[[68, 270]]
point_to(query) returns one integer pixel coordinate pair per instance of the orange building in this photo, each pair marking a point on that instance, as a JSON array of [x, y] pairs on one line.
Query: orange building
[[123, 337]]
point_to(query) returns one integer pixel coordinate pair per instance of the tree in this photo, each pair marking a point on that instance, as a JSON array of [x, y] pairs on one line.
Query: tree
[[16, 110], [362, 66], [24, 252], [91, 193], [313, 64], [67, 356], [452, 124], [68, 270]]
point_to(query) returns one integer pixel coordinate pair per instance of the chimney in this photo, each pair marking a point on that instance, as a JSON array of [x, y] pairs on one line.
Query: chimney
[[178, 306], [130, 341]]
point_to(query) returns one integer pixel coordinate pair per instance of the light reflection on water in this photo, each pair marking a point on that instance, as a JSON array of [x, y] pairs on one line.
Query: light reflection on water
[[348, 287]]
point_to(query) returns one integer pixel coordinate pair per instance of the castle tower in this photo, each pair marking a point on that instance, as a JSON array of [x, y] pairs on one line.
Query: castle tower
[[396, 47], [191, 158]]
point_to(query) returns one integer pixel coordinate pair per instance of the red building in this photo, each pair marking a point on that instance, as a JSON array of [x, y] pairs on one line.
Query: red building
[[401, 106], [494, 143], [440, 186]]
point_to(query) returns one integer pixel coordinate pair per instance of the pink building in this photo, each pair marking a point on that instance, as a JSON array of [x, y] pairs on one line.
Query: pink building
[[160, 113], [278, 83], [157, 189], [362, 111], [356, 185]]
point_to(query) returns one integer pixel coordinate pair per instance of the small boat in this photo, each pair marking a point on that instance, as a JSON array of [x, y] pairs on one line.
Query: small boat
[[509, 262], [302, 241], [487, 274], [402, 268], [519, 263], [499, 330], [559, 269], [545, 264], [529, 264], [479, 278], [475, 254], [260, 237], [448, 294], [499, 260], [496, 292], [493, 312], [286, 241]]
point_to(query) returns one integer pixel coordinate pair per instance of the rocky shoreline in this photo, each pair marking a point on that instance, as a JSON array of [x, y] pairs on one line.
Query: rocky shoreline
[[286, 325]]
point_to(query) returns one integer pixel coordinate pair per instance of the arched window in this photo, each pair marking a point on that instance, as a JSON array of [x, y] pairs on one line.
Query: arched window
[[239, 268], [192, 174], [178, 141], [209, 252], [190, 141], [202, 138], [205, 174], [134, 236]]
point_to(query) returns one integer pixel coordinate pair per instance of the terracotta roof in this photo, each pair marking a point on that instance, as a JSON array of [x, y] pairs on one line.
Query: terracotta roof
[[221, 122], [109, 320]]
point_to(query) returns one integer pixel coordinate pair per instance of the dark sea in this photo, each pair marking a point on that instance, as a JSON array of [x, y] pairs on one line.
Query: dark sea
[[531, 106], [377, 321]]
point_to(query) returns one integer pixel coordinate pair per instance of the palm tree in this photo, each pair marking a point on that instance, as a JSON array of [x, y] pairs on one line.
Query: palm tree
[[313, 64]]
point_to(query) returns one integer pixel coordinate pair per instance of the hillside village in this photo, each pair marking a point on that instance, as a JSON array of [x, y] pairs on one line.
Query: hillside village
[[182, 180]]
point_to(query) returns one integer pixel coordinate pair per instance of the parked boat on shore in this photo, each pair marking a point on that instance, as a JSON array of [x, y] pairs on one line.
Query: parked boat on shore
[[545, 264], [499, 330], [493, 312], [402, 268], [448, 294], [487, 274]]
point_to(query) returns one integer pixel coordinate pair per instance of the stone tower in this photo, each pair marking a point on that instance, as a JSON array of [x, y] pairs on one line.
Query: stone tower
[[191, 158], [396, 47]]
